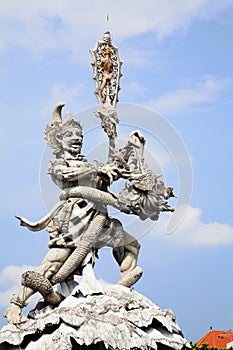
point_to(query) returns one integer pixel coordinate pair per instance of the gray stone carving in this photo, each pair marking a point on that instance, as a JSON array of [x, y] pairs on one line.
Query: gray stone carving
[[79, 225]]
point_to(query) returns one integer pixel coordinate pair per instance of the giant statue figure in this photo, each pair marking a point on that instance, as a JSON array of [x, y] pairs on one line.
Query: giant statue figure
[[79, 223]]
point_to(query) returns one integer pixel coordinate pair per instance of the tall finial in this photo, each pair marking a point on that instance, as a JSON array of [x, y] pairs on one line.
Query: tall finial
[[107, 70]]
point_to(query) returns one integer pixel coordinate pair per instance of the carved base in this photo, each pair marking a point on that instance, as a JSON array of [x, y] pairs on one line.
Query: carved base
[[97, 315]]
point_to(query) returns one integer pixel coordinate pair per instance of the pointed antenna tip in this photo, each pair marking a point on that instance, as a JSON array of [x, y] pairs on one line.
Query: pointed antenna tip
[[108, 22]]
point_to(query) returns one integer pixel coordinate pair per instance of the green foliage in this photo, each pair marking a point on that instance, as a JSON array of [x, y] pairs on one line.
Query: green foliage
[[128, 304]]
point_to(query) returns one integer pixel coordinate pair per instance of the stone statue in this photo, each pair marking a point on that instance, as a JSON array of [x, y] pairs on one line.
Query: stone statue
[[79, 223]]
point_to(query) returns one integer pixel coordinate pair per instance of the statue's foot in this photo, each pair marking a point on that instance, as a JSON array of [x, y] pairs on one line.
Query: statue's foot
[[130, 277], [14, 314], [53, 298]]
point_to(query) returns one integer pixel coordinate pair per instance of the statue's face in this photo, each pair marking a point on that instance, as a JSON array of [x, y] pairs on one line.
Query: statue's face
[[72, 140]]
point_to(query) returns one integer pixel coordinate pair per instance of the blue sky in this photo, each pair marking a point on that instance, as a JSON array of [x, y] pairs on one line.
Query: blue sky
[[178, 62]]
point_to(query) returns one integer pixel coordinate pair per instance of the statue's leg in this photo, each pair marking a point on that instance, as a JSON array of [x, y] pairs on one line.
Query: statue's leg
[[49, 266], [102, 86], [126, 254], [84, 246]]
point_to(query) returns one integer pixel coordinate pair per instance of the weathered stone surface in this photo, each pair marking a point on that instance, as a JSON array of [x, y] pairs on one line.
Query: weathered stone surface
[[99, 316]]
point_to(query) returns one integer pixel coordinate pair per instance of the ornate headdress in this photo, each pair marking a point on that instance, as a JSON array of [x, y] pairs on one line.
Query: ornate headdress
[[57, 127]]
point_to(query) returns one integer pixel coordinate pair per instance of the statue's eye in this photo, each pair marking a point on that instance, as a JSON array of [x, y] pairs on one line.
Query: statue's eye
[[67, 134]]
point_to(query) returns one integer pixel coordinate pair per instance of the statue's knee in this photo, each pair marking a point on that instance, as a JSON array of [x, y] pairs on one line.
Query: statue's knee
[[48, 269]]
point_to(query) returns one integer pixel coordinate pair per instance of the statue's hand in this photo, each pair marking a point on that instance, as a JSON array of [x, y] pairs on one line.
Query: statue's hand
[[111, 172], [23, 221], [71, 173], [133, 174]]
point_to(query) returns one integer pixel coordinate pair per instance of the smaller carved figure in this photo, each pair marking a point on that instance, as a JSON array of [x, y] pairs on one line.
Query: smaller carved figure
[[107, 71], [107, 65]]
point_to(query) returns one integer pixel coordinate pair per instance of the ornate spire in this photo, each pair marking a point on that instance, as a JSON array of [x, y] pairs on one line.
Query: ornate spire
[[107, 71]]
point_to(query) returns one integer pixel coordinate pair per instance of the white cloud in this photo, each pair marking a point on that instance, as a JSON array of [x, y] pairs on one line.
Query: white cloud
[[212, 8], [139, 57], [191, 99], [61, 92], [42, 25], [132, 88], [193, 231], [10, 278], [75, 98], [135, 87]]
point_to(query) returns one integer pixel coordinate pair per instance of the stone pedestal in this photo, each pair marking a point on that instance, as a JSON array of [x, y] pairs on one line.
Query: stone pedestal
[[96, 315]]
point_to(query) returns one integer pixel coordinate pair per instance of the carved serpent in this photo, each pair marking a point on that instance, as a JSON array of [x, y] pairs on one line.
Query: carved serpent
[[41, 284], [36, 281], [84, 247], [75, 259], [92, 194]]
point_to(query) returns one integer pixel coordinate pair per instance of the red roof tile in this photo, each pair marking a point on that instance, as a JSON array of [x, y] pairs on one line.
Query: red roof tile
[[216, 339]]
